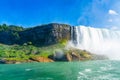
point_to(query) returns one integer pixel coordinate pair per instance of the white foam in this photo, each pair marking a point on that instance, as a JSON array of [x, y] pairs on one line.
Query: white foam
[[88, 70], [81, 76], [80, 73], [98, 41], [28, 69]]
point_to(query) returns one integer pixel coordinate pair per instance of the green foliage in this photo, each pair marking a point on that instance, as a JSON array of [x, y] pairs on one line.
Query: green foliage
[[24, 52], [63, 42], [5, 27], [29, 43], [85, 54], [46, 53]]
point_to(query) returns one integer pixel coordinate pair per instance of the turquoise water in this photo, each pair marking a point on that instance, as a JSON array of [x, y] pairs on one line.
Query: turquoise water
[[88, 70]]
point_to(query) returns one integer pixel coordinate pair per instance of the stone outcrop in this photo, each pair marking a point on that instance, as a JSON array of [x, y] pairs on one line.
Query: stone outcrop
[[71, 55], [78, 55], [41, 59], [3, 61]]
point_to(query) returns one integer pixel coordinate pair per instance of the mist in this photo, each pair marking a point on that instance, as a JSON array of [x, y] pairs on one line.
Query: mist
[[98, 41]]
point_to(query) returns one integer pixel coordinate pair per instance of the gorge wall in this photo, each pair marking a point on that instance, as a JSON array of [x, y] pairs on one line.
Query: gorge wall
[[39, 35], [95, 40]]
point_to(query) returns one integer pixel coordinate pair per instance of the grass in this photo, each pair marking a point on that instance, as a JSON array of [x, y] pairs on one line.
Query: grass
[[24, 52]]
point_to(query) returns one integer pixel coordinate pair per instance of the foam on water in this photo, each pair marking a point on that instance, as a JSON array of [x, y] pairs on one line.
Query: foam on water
[[88, 70], [28, 69]]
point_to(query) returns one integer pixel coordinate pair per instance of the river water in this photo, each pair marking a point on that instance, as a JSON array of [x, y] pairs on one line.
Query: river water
[[86, 70]]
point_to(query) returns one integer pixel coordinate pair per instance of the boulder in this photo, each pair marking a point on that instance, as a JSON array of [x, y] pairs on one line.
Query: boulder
[[2, 61], [71, 55], [41, 59]]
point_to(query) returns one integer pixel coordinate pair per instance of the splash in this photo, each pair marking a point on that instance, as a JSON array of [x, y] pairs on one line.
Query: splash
[[98, 41]]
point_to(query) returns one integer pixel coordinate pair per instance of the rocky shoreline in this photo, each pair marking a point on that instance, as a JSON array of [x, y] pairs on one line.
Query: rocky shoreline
[[59, 56]]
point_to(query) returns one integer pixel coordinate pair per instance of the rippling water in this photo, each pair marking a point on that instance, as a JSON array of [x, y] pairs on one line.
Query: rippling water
[[87, 70]]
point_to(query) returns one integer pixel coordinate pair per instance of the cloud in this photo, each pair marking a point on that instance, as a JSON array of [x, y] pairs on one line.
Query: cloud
[[101, 13], [114, 28], [110, 20], [92, 12], [112, 12]]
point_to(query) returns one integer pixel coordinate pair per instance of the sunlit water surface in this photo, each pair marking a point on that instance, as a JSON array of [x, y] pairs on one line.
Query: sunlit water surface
[[87, 70]]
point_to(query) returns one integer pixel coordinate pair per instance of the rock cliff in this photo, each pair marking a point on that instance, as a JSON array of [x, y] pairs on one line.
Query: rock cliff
[[40, 35], [46, 34]]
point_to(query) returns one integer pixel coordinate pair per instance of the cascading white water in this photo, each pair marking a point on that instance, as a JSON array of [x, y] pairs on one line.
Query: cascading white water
[[98, 41]]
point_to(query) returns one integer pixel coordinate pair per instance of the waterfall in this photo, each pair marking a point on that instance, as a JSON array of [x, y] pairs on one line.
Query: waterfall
[[98, 41]]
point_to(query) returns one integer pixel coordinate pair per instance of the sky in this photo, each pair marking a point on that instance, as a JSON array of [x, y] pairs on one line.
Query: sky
[[28, 13]]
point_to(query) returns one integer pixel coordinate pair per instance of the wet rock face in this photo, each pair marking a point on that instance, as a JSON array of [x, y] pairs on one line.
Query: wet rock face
[[2, 61], [46, 34], [7, 37]]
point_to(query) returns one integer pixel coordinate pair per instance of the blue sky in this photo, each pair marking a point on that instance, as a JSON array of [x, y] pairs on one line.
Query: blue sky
[[96, 13]]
